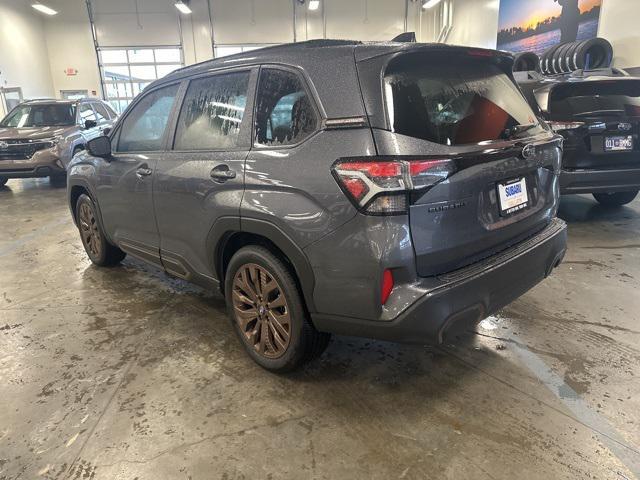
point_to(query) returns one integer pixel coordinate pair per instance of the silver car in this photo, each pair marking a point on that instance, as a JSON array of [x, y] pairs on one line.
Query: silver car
[[39, 138]]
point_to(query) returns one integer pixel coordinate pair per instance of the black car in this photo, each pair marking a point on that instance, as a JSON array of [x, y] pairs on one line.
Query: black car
[[598, 114]]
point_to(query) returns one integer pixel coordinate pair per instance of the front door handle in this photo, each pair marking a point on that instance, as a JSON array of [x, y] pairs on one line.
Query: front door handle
[[222, 173], [143, 171]]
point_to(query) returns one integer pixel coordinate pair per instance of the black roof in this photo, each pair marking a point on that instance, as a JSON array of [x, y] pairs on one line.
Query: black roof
[[63, 101], [300, 51]]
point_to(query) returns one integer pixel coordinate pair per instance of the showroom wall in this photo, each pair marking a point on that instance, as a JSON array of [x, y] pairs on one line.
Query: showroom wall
[[619, 25], [64, 41], [475, 23], [70, 46], [23, 51]]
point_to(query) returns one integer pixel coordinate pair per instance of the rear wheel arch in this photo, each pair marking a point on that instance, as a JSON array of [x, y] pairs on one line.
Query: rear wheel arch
[[74, 194], [76, 188], [227, 241]]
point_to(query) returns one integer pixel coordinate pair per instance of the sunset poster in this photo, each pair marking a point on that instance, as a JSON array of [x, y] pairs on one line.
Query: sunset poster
[[536, 25]]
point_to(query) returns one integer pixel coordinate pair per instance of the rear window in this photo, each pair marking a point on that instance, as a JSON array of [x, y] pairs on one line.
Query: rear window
[[597, 98], [456, 101]]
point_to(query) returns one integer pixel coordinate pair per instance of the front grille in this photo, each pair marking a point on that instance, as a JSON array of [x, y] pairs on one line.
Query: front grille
[[20, 149]]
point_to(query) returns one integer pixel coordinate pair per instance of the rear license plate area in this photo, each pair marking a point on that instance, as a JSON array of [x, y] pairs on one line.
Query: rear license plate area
[[621, 143], [512, 196]]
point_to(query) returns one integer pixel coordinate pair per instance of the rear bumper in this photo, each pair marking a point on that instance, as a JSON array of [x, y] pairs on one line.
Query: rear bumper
[[465, 296], [595, 181]]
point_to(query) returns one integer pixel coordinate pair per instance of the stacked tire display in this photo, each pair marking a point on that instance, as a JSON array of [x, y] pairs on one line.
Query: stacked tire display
[[568, 57]]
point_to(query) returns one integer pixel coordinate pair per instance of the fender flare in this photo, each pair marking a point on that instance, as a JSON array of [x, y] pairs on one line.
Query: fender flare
[[225, 227], [81, 182]]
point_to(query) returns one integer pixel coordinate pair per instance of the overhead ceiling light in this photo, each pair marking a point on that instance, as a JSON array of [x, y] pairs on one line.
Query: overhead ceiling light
[[430, 3], [314, 4], [44, 9], [183, 7]]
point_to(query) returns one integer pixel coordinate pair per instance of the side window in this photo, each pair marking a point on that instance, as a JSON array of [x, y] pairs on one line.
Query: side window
[[86, 113], [212, 112], [143, 128], [284, 112], [112, 113], [101, 112]]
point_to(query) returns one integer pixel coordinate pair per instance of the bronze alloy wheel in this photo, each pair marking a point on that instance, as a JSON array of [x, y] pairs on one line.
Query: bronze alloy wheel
[[261, 311], [89, 230]]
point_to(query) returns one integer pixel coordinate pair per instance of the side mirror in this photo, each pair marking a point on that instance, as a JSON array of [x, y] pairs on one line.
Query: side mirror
[[90, 124], [99, 147]]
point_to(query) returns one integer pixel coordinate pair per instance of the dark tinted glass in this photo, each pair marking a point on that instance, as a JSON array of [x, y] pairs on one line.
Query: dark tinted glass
[[41, 115], [86, 112], [144, 126], [101, 112], [111, 111], [212, 112], [598, 98], [454, 101], [284, 113]]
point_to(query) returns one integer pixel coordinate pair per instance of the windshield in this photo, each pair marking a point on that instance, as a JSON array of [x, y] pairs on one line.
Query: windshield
[[596, 98], [41, 115], [455, 102]]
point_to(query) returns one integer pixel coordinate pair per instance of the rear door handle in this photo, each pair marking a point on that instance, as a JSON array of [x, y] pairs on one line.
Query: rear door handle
[[222, 173], [143, 171]]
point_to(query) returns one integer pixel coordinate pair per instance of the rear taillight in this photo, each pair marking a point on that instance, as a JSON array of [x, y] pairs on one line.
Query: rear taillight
[[562, 126], [380, 186]]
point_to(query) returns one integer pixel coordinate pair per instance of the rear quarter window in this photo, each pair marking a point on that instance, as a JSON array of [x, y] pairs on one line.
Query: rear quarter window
[[284, 113]]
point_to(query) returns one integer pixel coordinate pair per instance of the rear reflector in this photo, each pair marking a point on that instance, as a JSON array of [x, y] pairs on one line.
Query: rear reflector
[[387, 286], [379, 186]]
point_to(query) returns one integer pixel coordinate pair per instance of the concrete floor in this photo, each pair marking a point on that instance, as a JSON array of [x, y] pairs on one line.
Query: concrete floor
[[124, 373]]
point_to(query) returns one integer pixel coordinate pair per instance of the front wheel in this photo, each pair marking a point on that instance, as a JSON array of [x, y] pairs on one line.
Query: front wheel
[[267, 311], [99, 250], [616, 199]]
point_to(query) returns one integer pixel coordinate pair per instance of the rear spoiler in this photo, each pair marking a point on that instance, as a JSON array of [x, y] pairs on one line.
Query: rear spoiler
[[406, 37], [589, 86]]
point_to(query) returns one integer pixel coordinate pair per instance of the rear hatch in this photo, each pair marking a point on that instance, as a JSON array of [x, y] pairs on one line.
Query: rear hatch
[[600, 120], [463, 106]]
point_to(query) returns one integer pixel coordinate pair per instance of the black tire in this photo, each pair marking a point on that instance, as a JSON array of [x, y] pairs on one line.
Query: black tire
[[3, 181], [58, 180], [599, 51], [304, 342], [559, 58], [547, 60], [98, 249], [616, 199], [526, 62], [569, 61]]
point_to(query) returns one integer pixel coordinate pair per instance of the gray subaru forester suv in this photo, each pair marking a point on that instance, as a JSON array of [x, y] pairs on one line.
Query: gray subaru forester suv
[[390, 191], [39, 138]]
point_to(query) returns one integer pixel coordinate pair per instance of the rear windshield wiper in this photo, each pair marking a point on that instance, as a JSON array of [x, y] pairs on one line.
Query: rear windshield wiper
[[516, 129], [599, 112]]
